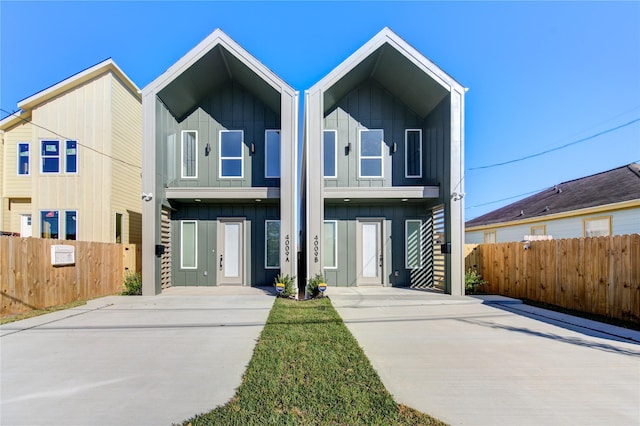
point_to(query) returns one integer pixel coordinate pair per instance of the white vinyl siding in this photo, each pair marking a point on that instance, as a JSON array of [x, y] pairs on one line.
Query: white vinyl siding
[[189, 154], [370, 153], [330, 244], [231, 158], [413, 153], [188, 244], [413, 244], [272, 244], [330, 153]]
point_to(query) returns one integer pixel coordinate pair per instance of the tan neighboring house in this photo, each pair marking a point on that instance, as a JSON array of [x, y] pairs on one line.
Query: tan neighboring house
[[71, 160], [602, 204]]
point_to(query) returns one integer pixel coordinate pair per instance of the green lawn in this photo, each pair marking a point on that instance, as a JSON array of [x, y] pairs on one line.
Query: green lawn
[[38, 312], [306, 369]]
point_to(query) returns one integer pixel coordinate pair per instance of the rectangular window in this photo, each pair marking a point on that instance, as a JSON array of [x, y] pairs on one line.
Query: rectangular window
[[413, 153], [330, 244], [330, 141], [231, 160], [188, 244], [413, 244], [49, 224], [272, 244], [490, 237], [370, 153], [597, 227], [189, 154], [539, 230], [23, 158], [272, 154], [119, 228], [70, 224], [50, 156], [71, 157]]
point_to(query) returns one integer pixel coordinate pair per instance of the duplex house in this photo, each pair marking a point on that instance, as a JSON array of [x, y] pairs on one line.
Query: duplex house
[[606, 203], [383, 166], [219, 171], [70, 160]]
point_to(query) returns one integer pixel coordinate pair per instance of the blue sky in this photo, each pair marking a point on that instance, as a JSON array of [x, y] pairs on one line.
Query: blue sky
[[540, 74]]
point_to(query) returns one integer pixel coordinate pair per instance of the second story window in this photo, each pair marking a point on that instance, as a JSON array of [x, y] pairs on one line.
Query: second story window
[[189, 154], [50, 156], [413, 153], [370, 153], [272, 153], [231, 160], [71, 157], [23, 158], [330, 138]]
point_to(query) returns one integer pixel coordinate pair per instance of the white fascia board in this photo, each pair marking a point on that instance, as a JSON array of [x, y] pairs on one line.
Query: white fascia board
[[410, 192], [223, 193], [76, 80]]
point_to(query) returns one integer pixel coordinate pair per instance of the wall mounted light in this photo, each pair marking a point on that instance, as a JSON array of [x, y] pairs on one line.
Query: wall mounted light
[[457, 197], [347, 149], [394, 148], [253, 148], [207, 149], [147, 197]]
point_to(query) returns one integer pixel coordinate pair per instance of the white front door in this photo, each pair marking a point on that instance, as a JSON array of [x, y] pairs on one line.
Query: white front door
[[25, 225], [369, 251], [230, 251]]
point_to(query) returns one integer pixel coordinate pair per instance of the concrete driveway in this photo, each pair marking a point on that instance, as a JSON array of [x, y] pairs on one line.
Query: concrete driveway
[[130, 360], [471, 363]]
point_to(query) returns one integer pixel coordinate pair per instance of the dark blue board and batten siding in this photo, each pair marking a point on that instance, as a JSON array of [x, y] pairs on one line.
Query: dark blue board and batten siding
[[230, 107], [207, 216]]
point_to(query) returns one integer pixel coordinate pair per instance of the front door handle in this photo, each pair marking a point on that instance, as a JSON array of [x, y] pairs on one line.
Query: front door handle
[[221, 262], [381, 261]]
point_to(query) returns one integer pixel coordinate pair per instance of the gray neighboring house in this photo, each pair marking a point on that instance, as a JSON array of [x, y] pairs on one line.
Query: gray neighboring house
[[219, 171], [383, 169], [602, 204]]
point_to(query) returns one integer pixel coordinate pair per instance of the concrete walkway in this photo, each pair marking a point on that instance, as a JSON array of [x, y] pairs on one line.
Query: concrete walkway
[[130, 360], [492, 361]]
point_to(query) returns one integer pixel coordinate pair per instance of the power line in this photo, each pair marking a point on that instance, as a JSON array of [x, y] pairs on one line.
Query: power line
[[505, 199], [557, 148], [68, 138]]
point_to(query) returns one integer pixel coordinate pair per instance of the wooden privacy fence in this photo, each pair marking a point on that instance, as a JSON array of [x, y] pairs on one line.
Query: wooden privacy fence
[[599, 275], [28, 280]]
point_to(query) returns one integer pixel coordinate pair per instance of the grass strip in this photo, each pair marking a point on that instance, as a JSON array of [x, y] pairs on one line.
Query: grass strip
[[307, 369], [38, 312]]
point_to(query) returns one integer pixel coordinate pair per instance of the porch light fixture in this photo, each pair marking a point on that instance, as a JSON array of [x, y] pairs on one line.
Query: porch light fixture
[[253, 148], [457, 197], [394, 148], [207, 149], [404, 200], [147, 197], [258, 200], [347, 200], [348, 148], [197, 200]]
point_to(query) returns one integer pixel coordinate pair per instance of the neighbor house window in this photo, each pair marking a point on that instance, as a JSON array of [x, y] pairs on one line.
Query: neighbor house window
[[188, 244], [272, 153], [413, 244], [539, 230], [330, 141], [370, 153], [330, 252], [50, 224], [50, 156], [490, 237], [231, 162], [119, 227], [71, 157], [597, 227], [413, 153], [189, 154], [23, 158], [70, 224], [272, 244]]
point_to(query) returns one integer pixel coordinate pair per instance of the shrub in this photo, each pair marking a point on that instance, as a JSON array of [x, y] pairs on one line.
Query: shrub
[[313, 289], [132, 284], [289, 288], [473, 282]]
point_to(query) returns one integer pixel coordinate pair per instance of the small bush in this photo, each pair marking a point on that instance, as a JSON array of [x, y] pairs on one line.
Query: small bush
[[473, 282], [313, 289], [132, 284], [288, 285]]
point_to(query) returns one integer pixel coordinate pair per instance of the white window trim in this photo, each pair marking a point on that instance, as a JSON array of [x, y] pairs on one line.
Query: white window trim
[[66, 157], [28, 144], [115, 226], [266, 222], [266, 153], [220, 157], [65, 223], [406, 244], [60, 168], [59, 227], [360, 157], [335, 153], [182, 222], [406, 152], [182, 176], [335, 243]]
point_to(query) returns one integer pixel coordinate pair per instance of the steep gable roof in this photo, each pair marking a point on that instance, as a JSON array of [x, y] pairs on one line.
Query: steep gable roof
[[613, 186]]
